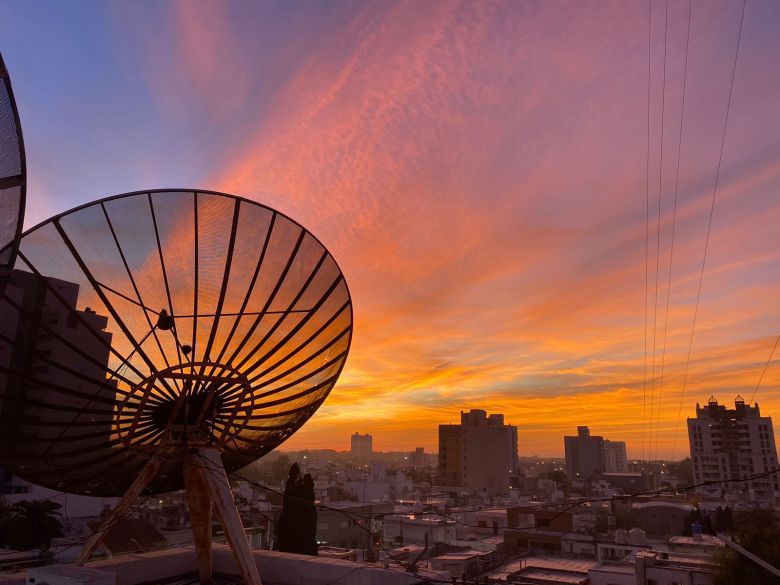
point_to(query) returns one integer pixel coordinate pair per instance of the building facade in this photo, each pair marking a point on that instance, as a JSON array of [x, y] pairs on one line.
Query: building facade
[[585, 456], [615, 457], [479, 453], [55, 357], [417, 457], [402, 529], [362, 445], [734, 444]]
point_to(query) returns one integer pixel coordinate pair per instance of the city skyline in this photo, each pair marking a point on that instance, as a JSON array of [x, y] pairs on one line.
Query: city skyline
[[480, 174]]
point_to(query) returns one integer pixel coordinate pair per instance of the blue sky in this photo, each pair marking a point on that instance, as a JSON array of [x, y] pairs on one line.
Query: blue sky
[[480, 172]]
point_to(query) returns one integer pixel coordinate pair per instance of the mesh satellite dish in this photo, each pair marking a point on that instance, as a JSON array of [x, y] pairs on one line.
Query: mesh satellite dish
[[159, 340], [13, 174]]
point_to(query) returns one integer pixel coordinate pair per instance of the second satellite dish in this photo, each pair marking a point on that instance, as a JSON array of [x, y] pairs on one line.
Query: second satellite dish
[[13, 173]]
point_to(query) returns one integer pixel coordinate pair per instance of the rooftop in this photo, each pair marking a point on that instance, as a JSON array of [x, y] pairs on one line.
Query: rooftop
[[542, 575], [499, 513], [613, 567], [656, 503], [703, 540], [548, 564], [462, 555], [275, 568]]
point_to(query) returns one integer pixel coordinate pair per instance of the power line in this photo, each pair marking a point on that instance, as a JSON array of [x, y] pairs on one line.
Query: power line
[[766, 365], [104, 530], [423, 579], [709, 222], [658, 229], [647, 225], [674, 217]]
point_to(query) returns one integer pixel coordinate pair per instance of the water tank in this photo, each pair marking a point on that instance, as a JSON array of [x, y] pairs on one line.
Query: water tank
[[621, 536], [637, 537]]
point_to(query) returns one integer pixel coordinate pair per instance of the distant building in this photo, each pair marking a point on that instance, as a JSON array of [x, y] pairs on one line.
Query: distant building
[[479, 453], [615, 457], [650, 566], [728, 444], [462, 564], [545, 569], [417, 528], [11, 484], [628, 482], [362, 445], [585, 455], [661, 519], [350, 524], [417, 457]]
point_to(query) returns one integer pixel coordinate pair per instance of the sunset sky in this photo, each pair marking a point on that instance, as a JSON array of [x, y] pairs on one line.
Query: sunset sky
[[481, 173]]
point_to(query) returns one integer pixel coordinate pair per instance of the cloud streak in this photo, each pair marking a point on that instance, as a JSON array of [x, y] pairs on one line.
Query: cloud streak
[[479, 172]]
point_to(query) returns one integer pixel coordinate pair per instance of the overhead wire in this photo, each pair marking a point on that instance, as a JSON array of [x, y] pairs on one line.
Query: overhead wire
[[347, 513], [766, 365], [658, 229], [674, 216], [101, 529], [647, 227], [375, 538], [709, 222], [657, 492], [650, 493]]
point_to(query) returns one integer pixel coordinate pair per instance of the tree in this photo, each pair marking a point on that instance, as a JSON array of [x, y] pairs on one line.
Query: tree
[[32, 524], [685, 471], [337, 493], [557, 476], [757, 531], [279, 468], [724, 519], [296, 529]]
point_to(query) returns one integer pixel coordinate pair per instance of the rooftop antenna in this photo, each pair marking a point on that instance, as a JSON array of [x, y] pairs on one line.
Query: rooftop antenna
[[161, 340]]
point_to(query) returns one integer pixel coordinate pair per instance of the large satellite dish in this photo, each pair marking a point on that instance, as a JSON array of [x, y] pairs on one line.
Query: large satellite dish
[[141, 329], [13, 173]]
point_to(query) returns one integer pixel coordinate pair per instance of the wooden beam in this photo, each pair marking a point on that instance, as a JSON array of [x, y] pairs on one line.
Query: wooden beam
[[200, 505], [131, 495], [219, 488]]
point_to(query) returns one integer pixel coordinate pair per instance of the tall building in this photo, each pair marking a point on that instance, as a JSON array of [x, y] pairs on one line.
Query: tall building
[[615, 457], [734, 444], [585, 457], [362, 445], [417, 457], [479, 453], [55, 357]]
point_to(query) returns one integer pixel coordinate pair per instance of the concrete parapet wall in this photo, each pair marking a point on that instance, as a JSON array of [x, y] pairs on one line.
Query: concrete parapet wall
[[275, 567]]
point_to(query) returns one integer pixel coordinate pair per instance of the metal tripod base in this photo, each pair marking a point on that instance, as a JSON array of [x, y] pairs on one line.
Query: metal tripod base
[[207, 489]]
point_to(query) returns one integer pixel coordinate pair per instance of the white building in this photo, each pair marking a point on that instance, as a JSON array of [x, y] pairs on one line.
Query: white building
[[361, 445], [656, 568], [736, 443], [615, 457], [370, 487], [479, 453], [461, 564], [414, 528]]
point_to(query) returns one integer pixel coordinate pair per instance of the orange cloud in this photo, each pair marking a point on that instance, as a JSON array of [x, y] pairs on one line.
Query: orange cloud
[[478, 170]]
